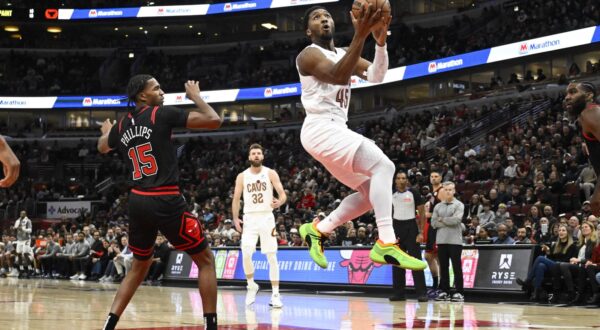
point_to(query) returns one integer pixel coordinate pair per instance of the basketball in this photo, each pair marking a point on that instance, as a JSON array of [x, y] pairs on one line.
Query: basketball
[[359, 5]]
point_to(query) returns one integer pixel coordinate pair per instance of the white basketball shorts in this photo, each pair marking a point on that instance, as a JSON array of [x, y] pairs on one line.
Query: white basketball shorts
[[260, 224]]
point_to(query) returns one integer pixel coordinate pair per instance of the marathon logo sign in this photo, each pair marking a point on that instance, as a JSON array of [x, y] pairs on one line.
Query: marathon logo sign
[[89, 102], [433, 67], [12, 102], [286, 91], [70, 210], [95, 13], [227, 7], [527, 47]]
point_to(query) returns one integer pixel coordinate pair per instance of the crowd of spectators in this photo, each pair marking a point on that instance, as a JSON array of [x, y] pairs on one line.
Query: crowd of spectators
[[246, 65], [68, 251]]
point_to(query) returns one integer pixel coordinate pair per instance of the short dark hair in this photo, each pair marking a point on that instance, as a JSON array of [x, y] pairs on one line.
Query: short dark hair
[[308, 12], [589, 87], [135, 85], [255, 146]]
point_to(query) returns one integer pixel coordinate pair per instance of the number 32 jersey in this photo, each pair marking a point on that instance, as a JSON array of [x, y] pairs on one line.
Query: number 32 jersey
[[320, 98], [143, 137], [258, 191]]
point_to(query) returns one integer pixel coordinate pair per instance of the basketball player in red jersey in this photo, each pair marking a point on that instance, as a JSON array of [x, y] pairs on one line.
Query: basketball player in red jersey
[[580, 101], [143, 137]]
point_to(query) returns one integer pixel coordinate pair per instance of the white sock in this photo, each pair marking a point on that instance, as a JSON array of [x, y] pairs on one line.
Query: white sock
[[251, 281], [275, 289], [350, 208], [386, 230]]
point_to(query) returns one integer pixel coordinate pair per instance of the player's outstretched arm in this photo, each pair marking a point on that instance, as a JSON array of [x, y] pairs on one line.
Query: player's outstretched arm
[[10, 164], [204, 116], [281, 196], [235, 203], [103, 140], [311, 62], [375, 72]]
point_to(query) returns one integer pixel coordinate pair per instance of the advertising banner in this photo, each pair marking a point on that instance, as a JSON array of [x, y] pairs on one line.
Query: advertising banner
[[345, 267], [59, 210], [458, 62], [499, 268]]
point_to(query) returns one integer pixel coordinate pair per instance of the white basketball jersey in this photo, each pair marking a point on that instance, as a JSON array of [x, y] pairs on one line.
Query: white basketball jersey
[[319, 98], [258, 191]]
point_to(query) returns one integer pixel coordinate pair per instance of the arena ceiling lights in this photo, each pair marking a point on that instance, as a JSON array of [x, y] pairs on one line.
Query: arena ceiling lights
[[183, 10]]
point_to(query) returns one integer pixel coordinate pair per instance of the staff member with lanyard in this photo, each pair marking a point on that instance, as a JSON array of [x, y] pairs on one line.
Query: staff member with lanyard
[[406, 202]]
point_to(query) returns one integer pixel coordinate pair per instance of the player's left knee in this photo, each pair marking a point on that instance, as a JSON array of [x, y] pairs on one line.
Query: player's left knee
[[385, 164]]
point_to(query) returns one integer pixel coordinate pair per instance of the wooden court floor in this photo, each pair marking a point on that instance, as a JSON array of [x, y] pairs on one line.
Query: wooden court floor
[[69, 305]]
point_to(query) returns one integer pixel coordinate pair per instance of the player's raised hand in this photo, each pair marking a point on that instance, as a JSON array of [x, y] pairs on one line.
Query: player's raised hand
[[364, 24], [106, 126], [237, 223], [192, 89], [380, 31], [10, 164]]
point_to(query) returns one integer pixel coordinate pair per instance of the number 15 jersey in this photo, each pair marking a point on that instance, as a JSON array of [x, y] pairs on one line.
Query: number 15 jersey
[[320, 98], [258, 191], [143, 137]]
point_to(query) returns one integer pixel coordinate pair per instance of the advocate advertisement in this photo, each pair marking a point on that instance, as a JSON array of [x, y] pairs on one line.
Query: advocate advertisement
[[70, 210], [345, 267]]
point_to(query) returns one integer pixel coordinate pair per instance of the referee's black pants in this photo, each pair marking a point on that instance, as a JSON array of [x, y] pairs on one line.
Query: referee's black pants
[[406, 233]]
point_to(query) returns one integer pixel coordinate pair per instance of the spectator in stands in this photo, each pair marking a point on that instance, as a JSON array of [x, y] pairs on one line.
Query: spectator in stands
[[110, 273], [511, 229], [80, 257], [543, 234], [502, 214], [482, 236], [159, 261], [227, 231], [487, 216], [561, 250], [110, 235], [591, 268], [586, 209], [549, 213], [540, 75], [493, 200], [123, 259], [64, 265], [511, 170], [474, 208], [522, 236], [534, 214], [503, 237], [573, 223], [587, 181], [47, 259], [296, 240], [235, 240], [99, 258], [575, 265]]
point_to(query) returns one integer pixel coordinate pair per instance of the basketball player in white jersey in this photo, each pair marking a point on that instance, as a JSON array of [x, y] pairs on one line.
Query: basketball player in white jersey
[[354, 160], [257, 183]]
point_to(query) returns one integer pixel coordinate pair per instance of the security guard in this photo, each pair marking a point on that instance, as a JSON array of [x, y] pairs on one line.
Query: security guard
[[406, 202]]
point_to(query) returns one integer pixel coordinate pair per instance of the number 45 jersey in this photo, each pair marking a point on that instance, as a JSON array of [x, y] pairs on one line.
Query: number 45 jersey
[[324, 99], [143, 137], [258, 191]]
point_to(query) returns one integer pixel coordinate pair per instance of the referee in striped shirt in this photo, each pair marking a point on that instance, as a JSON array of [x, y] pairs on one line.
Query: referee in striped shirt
[[406, 202]]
